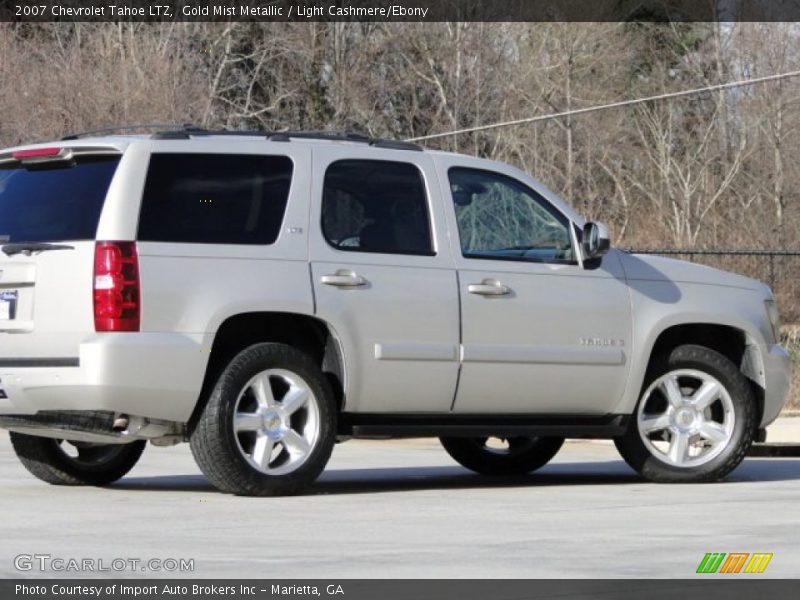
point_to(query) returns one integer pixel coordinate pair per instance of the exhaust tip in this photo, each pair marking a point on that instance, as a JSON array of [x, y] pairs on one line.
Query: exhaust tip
[[120, 423]]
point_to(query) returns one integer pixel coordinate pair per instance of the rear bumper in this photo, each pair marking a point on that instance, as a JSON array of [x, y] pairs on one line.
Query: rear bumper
[[777, 376], [154, 375]]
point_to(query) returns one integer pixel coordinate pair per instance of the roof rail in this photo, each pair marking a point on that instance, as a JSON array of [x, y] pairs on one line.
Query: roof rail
[[285, 136], [185, 131], [345, 136], [171, 126]]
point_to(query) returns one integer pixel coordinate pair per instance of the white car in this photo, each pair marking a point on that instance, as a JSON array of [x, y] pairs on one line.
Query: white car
[[262, 295]]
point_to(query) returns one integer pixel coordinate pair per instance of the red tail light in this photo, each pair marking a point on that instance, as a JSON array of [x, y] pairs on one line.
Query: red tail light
[[116, 287], [38, 153], [42, 155]]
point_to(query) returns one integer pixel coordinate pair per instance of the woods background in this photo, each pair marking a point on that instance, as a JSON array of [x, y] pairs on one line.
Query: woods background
[[715, 170]]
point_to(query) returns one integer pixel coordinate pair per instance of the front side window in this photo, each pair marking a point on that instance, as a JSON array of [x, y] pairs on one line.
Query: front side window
[[376, 206], [501, 218], [214, 198]]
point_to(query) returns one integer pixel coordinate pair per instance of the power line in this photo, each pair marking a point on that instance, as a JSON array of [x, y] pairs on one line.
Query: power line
[[580, 111]]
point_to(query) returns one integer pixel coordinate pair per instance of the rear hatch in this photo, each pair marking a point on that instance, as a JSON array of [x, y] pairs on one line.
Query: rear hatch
[[50, 205]]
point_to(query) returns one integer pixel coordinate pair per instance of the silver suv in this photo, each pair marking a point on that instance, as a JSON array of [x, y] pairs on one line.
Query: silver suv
[[264, 295]]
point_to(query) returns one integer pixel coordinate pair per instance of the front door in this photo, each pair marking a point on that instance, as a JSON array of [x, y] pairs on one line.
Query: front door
[[540, 333]]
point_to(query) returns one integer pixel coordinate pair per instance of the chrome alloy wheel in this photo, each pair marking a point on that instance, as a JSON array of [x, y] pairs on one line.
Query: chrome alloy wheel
[[686, 418], [276, 421]]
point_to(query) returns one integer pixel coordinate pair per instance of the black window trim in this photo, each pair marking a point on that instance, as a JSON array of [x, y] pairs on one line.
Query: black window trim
[[428, 210], [205, 152], [546, 204]]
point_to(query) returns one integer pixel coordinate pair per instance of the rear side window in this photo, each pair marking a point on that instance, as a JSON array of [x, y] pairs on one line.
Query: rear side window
[[59, 202], [215, 198], [376, 206]]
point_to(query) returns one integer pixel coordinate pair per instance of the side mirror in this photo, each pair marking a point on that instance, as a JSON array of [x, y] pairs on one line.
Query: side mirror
[[595, 240]]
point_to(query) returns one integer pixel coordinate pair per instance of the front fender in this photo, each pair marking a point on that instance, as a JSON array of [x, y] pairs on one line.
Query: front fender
[[659, 306]]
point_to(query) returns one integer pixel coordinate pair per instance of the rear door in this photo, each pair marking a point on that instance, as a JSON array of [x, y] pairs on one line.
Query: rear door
[[54, 197], [384, 279]]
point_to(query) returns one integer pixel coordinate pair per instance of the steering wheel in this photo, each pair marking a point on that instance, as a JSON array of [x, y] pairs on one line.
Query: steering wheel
[[349, 241]]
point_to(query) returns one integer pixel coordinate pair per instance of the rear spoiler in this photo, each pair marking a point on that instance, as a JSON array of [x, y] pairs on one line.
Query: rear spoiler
[[45, 154]]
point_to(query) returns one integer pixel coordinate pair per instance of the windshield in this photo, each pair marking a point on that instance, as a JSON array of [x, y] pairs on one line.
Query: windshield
[[55, 203]]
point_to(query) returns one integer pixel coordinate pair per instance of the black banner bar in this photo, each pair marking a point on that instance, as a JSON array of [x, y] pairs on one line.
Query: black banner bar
[[398, 10], [708, 587]]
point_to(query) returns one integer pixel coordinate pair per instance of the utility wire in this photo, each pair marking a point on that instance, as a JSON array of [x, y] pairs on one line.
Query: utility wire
[[580, 111]]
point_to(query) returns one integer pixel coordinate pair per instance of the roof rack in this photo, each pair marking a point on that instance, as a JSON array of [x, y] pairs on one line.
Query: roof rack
[[189, 131], [345, 136], [93, 132], [284, 136], [185, 131]]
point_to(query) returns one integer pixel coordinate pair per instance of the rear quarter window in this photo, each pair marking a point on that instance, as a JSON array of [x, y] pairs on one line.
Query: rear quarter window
[[59, 202], [214, 198]]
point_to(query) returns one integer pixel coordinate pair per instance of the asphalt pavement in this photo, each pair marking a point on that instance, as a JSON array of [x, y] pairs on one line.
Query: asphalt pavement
[[405, 509]]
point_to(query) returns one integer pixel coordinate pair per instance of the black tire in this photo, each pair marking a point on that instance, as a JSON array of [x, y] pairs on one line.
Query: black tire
[[95, 464], [522, 454], [218, 450], [696, 358]]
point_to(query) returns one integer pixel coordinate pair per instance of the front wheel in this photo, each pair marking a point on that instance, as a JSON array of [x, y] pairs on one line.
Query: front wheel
[[269, 426], [502, 456], [59, 462], [695, 420]]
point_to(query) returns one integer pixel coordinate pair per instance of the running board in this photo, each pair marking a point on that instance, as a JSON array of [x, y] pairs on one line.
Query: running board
[[475, 425]]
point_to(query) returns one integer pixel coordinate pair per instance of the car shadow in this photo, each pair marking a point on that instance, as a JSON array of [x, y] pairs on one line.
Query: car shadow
[[410, 479]]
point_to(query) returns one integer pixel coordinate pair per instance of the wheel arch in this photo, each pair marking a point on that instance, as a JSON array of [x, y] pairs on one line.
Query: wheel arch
[[313, 336], [734, 341]]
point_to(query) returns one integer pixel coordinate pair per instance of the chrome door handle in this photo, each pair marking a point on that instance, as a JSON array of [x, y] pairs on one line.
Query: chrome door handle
[[343, 279], [489, 287]]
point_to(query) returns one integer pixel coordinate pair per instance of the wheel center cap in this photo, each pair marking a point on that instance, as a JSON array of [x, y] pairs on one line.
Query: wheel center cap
[[684, 418], [272, 422]]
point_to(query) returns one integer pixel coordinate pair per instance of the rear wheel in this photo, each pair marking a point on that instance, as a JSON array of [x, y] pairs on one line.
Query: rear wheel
[[502, 456], [269, 426], [695, 420], [61, 462]]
